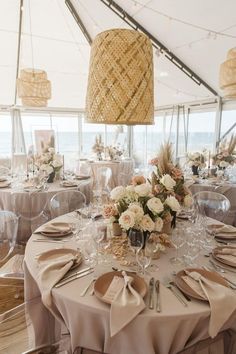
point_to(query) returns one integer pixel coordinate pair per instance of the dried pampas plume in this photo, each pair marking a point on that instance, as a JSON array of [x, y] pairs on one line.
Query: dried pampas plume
[[165, 159], [232, 144]]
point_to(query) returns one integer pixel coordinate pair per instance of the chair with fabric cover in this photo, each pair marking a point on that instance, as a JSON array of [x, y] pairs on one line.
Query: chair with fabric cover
[[66, 201], [17, 333], [212, 204]]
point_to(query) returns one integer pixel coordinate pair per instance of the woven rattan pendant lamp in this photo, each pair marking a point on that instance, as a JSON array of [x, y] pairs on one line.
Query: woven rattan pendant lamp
[[120, 83], [228, 75]]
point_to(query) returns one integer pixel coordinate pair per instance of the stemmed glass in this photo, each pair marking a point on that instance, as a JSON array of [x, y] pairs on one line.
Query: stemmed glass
[[135, 240], [143, 258], [178, 240]]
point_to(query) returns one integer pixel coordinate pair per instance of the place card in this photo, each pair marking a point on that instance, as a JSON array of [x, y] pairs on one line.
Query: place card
[[114, 288]]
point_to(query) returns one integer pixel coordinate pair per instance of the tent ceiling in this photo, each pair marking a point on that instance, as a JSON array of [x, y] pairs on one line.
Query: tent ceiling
[[60, 48]]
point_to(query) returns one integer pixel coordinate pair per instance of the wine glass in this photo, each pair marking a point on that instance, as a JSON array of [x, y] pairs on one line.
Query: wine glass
[[135, 240], [143, 258], [178, 241]]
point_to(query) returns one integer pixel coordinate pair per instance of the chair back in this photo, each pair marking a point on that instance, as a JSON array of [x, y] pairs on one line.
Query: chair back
[[103, 178], [8, 233], [65, 202], [212, 204], [4, 171]]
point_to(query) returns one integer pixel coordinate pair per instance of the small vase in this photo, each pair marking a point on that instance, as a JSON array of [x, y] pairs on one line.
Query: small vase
[[195, 170], [51, 177], [116, 229]]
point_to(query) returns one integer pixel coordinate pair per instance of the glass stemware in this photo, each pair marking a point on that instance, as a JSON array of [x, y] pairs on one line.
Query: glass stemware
[[143, 258], [135, 240]]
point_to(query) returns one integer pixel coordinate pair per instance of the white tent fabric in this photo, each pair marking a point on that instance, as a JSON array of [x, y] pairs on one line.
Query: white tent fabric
[[187, 27]]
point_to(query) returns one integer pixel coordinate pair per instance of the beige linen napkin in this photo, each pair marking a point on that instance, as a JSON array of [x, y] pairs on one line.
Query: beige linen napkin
[[226, 230], [228, 254], [50, 272], [222, 300], [126, 305], [53, 228]]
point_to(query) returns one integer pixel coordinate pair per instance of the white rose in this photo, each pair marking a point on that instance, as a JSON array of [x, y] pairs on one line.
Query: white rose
[[51, 150], [173, 203], [168, 182], [146, 224], [127, 220], [117, 193], [158, 224], [224, 164], [56, 163], [47, 168], [155, 205], [137, 210], [143, 190], [130, 188], [188, 201]]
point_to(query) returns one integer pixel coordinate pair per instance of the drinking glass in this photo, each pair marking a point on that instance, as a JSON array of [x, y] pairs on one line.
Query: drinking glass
[[143, 258], [178, 240], [135, 240]]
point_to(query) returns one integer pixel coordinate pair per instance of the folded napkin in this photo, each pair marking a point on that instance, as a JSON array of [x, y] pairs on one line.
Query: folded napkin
[[50, 272], [3, 178], [226, 230], [126, 305], [226, 254], [222, 300], [69, 183], [54, 227], [4, 184]]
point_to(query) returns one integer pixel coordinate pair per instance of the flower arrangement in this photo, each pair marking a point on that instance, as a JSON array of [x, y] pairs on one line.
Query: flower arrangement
[[98, 147], [114, 152], [48, 162], [197, 159], [227, 154]]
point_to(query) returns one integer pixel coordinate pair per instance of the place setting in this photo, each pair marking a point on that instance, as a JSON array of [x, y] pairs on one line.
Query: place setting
[[54, 232]]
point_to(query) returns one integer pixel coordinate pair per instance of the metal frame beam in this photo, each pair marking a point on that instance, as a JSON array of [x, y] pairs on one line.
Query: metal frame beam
[[119, 11], [78, 20]]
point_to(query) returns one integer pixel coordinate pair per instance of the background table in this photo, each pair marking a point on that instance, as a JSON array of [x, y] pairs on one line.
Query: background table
[[229, 190], [124, 167], [87, 318], [32, 204]]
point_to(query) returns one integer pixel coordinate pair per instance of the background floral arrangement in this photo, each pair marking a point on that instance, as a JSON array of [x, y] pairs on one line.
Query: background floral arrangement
[[197, 159], [114, 152], [48, 162], [98, 147], [227, 154]]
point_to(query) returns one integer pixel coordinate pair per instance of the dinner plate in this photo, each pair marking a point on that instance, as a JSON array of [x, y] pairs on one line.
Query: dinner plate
[[224, 261], [56, 234], [52, 255], [81, 177], [183, 286], [5, 184], [102, 283]]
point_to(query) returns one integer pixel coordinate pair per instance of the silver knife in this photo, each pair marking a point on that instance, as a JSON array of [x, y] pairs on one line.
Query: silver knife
[[58, 285], [76, 273], [158, 303], [151, 290]]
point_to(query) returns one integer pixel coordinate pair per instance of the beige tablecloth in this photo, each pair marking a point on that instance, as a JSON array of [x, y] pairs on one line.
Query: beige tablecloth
[[122, 171], [229, 190], [29, 205], [87, 318]]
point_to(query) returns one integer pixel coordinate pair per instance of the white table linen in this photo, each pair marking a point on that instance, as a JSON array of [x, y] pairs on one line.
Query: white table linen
[[87, 318]]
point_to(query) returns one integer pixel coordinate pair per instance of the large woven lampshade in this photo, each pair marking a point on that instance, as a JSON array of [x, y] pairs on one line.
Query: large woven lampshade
[[33, 87], [120, 83], [228, 75]]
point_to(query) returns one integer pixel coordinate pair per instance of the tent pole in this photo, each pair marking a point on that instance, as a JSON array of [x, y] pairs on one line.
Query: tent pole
[[19, 47]]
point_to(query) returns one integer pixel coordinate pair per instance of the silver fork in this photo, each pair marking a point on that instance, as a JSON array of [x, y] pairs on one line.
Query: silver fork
[[174, 292]]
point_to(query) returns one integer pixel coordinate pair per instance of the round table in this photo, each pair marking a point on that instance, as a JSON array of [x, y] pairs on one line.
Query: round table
[[87, 318], [31, 204]]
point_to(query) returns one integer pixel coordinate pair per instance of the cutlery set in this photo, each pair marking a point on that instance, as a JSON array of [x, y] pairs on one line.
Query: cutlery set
[[154, 288], [79, 274]]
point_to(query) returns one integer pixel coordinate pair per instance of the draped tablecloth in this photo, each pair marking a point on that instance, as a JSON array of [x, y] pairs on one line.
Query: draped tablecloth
[[122, 171], [87, 318], [229, 190], [30, 205]]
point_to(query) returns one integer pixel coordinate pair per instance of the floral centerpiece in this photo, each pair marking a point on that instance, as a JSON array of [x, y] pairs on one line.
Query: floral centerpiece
[[49, 163], [226, 155], [114, 152], [98, 147], [196, 160]]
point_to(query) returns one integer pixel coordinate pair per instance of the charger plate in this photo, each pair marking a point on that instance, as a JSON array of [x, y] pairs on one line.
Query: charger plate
[[102, 283], [183, 286], [224, 261], [52, 255]]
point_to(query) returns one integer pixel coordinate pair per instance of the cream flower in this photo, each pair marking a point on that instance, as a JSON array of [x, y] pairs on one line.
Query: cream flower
[[109, 210], [127, 220], [155, 205], [143, 190], [158, 224], [224, 164], [137, 210], [117, 193], [146, 223], [47, 168], [188, 201], [173, 203], [168, 182]]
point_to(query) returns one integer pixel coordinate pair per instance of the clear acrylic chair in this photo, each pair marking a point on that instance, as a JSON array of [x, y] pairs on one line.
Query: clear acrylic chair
[[212, 204], [65, 202], [4, 171], [8, 233], [102, 184]]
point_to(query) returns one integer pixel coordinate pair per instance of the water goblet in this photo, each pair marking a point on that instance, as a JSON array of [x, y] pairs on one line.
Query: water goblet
[[143, 259], [135, 240]]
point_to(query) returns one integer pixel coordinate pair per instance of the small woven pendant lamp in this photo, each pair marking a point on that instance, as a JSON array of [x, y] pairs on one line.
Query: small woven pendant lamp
[[120, 83], [228, 75], [33, 87]]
